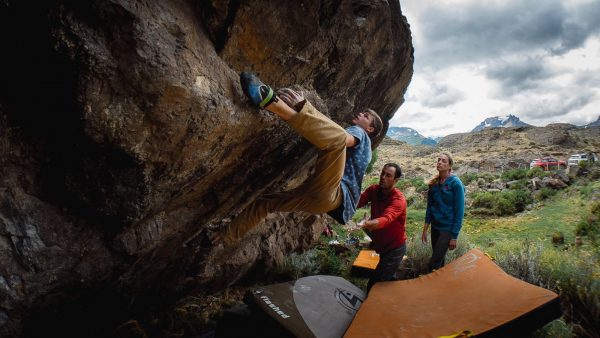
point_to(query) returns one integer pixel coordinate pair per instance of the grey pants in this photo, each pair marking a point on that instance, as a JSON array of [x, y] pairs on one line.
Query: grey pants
[[439, 244], [389, 263]]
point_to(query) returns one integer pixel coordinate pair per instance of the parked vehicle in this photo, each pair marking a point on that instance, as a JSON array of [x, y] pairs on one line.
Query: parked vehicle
[[548, 163], [578, 158]]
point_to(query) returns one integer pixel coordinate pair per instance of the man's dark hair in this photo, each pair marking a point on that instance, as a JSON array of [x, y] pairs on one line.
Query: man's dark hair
[[397, 170]]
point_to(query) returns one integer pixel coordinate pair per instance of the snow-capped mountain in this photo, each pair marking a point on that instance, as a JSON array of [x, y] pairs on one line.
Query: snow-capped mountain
[[501, 121], [409, 136]]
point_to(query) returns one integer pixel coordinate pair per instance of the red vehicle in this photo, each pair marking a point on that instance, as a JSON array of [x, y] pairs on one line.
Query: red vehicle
[[548, 163]]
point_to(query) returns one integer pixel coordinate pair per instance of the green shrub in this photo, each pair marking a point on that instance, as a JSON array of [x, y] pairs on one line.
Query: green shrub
[[418, 183], [514, 174], [590, 223], [320, 260], [418, 253], [297, 265], [488, 177], [416, 201], [544, 193], [538, 172], [571, 278], [500, 203], [468, 178], [369, 181], [555, 329], [373, 160], [520, 184]]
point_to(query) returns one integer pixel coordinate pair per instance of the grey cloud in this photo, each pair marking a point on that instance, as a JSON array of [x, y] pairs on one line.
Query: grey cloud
[[404, 118], [519, 75], [481, 31], [562, 105], [440, 130], [441, 96], [588, 78], [582, 23]]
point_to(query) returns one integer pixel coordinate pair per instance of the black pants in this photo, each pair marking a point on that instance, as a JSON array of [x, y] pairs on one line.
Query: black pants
[[439, 244], [389, 263]]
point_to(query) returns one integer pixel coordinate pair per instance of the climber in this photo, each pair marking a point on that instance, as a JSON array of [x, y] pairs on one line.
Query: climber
[[341, 163]]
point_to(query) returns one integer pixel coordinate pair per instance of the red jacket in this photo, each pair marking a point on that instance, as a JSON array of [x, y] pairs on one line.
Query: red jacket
[[391, 214]]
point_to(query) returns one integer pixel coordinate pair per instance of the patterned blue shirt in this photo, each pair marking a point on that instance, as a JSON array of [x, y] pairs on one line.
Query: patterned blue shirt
[[357, 160]]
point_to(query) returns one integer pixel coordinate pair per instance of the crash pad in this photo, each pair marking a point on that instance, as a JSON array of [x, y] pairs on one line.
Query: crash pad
[[366, 259], [470, 294], [314, 306]]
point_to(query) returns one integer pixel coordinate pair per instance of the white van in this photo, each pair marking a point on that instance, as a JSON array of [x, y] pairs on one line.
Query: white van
[[575, 159]]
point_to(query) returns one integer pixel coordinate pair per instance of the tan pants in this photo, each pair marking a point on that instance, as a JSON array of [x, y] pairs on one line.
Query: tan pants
[[319, 193]]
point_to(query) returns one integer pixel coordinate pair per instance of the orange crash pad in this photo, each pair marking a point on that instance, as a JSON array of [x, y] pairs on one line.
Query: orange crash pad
[[367, 259], [470, 294], [365, 263]]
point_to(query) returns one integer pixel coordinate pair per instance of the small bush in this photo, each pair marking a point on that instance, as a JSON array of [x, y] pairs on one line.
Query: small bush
[[571, 278], [488, 177], [520, 184], [418, 253], [514, 174], [501, 203], [373, 160], [538, 172], [468, 178], [416, 201], [590, 224], [297, 265], [544, 193], [418, 183], [369, 181], [555, 329]]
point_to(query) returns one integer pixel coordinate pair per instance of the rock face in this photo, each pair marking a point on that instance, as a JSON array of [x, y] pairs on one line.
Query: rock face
[[123, 131]]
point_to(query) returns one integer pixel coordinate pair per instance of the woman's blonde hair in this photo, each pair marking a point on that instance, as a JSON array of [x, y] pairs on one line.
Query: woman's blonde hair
[[435, 179]]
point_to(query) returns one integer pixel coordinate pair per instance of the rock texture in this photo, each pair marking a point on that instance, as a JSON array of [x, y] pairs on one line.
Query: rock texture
[[123, 131]]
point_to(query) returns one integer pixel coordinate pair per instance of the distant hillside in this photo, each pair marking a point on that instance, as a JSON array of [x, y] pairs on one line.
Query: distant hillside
[[492, 149], [409, 136], [500, 122]]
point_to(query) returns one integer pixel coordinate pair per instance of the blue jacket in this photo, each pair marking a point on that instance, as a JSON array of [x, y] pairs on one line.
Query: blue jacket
[[446, 205]]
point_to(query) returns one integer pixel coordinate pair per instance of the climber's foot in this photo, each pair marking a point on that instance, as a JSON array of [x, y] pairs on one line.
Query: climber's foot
[[259, 93]]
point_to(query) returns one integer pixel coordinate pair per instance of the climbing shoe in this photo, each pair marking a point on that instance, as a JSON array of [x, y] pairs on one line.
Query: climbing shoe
[[259, 93]]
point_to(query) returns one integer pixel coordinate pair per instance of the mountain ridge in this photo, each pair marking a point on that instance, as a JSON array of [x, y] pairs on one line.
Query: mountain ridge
[[501, 121], [410, 136]]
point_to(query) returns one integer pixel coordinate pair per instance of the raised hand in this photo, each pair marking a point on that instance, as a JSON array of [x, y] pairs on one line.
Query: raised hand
[[291, 97]]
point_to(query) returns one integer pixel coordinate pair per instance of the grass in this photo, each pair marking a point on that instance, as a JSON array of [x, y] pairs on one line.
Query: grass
[[558, 214]]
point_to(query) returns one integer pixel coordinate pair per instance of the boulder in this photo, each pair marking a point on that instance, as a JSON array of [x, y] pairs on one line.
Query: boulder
[[562, 175], [123, 131], [553, 183], [537, 183]]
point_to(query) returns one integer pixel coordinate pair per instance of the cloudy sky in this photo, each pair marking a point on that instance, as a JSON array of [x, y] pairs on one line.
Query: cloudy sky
[[538, 60]]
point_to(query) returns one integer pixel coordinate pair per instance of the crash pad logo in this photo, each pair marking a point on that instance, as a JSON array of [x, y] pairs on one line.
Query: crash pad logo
[[348, 299]]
